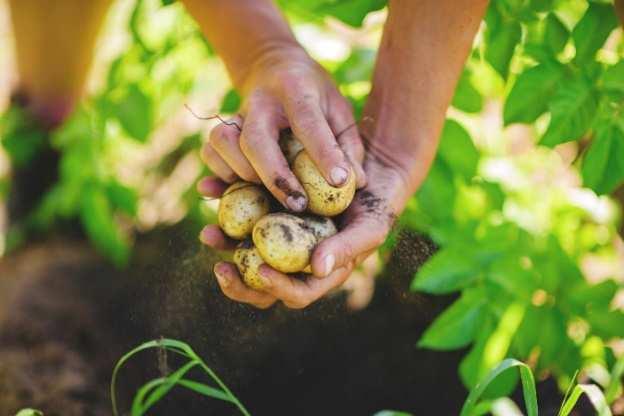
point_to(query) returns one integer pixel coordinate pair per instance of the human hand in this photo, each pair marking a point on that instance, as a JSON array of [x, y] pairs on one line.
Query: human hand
[[363, 227], [284, 89]]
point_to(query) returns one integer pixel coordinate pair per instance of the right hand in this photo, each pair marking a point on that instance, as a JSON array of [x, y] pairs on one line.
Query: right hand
[[286, 88]]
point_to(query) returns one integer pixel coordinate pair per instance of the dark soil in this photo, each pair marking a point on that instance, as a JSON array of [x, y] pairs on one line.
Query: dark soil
[[66, 317]]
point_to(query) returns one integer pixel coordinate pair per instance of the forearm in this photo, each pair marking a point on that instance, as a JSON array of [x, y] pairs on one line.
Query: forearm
[[424, 46], [242, 31]]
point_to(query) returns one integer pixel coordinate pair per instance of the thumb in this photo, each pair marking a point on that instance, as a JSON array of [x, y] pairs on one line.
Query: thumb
[[360, 237]]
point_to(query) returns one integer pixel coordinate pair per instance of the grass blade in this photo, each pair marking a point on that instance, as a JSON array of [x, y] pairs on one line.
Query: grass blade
[[156, 391], [528, 387], [157, 388], [205, 390], [595, 396], [611, 392]]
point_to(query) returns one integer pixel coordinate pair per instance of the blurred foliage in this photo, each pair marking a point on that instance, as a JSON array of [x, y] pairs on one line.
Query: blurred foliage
[[511, 245]]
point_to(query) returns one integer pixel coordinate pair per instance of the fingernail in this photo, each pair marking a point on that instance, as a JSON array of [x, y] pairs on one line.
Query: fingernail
[[223, 281], [201, 186], [296, 202], [266, 281], [203, 236], [339, 175], [328, 264]]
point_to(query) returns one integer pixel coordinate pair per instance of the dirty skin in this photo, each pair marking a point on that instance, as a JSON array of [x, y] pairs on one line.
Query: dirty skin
[[282, 185]]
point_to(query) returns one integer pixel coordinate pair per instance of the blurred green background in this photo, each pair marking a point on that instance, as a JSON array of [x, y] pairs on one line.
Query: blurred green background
[[524, 198]]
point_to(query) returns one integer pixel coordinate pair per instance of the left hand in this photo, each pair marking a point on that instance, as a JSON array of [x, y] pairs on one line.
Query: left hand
[[363, 228]]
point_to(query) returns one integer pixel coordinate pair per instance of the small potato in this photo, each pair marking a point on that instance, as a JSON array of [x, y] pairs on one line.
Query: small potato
[[284, 241], [290, 145], [241, 205], [322, 228], [323, 199], [247, 260]]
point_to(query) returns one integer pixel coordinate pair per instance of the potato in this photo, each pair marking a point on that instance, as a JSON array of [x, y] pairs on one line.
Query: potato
[[240, 207], [284, 241], [321, 227], [247, 260], [290, 145], [323, 199]]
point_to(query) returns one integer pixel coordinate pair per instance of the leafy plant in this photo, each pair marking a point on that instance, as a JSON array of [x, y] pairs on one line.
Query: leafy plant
[[153, 391]]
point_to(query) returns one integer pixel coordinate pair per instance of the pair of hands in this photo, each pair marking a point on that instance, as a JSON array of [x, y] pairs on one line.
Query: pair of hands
[[289, 89]]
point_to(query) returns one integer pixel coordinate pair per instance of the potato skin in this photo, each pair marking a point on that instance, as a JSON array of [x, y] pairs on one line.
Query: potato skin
[[321, 227], [284, 241], [323, 199], [247, 260], [289, 145], [240, 207]]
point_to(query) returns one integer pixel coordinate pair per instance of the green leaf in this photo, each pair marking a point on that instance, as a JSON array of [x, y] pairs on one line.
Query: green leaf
[[528, 387], [466, 97], [457, 149], [449, 270], [167, 2], [29, 412], [122, 197], [572, 109], [591, 32], [352, 12], [530, 94], [20, 136], [391, 413], [541, 5], [457, 325], [613, 77], [135, 113], [605, 323], [501, 37], [97, 217], [436, 195], [603, 164], [556, 35], [595, 396], [231, 102]]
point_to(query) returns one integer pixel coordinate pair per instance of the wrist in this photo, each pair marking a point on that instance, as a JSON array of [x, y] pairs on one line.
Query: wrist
[[266, 59]]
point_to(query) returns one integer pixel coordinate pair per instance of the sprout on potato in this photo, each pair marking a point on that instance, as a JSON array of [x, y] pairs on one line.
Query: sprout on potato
[[241, 206]]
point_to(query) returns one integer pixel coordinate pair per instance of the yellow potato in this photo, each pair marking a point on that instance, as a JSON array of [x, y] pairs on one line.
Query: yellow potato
[[323, 199], [240, 207], [247, 260], [321, 227], [290, 145], [284, 241]]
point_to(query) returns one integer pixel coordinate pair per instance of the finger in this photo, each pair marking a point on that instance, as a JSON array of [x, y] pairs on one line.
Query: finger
[[212, 236], [343, 125], [298, 293], [216, 164], [350, 245], [259, 142], [224, 138], [311, 128], [234, 288], [211, 186]]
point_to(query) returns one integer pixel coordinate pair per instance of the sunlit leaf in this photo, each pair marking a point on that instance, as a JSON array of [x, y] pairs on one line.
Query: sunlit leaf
[[572, 109], [457, 325], [448, 270], [531, 93], [591, 32], [603, 165]]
